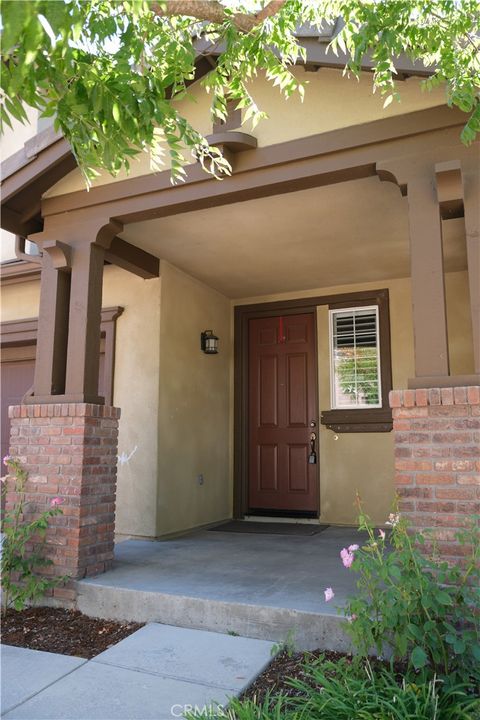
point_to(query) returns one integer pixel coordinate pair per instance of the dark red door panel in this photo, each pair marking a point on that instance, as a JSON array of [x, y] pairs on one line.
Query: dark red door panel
[[282, 404]]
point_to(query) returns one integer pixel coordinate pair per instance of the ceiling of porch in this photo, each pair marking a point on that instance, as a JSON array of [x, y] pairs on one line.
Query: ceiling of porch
[[353, 232]]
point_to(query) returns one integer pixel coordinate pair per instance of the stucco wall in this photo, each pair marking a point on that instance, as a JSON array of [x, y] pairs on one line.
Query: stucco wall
[[331, 102], [136, 393], [135, 386], [363, 462], [194, 393], [20, 301]]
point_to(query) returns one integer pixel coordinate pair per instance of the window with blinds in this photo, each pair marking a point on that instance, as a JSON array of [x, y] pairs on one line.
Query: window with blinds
[[355, 358]]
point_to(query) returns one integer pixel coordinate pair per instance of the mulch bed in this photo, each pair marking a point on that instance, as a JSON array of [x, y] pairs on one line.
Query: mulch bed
[[66, 632], [285, 666]]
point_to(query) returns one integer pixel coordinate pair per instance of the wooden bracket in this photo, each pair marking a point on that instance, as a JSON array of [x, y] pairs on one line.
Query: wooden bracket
[[448, 177], [59, 252]]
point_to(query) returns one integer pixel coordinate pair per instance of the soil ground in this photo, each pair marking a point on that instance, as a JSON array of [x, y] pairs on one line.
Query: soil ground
[[275, 679], [66, 632]]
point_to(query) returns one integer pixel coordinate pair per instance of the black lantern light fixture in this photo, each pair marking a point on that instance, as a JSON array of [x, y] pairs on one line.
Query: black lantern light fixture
[[209, 342]]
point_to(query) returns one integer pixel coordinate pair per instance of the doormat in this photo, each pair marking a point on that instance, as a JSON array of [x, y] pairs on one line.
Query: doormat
[[269, 528]]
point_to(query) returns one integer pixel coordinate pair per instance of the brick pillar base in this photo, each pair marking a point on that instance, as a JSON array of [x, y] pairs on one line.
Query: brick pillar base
[[70, 451], [437, 459]]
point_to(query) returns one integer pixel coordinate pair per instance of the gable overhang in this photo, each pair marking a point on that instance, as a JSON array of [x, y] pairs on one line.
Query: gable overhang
[[318, 55], [29, 173]]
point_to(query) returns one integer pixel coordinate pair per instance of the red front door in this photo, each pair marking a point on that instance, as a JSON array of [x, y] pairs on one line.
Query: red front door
[[282, 408]]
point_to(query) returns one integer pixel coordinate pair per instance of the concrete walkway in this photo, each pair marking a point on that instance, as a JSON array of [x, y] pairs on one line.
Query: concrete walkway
[[158, 673]]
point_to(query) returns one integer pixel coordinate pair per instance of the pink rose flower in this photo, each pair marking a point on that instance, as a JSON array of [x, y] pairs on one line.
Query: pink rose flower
[[329, 594], [6, 460], [382, 534], [352, 548], [347, 557], [56, 502]]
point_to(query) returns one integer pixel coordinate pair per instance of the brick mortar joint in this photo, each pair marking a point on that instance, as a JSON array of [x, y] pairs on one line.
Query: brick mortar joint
[[435, 397]]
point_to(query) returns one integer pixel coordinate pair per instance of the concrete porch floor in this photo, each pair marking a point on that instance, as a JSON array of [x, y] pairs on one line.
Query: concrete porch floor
[[261, 586]]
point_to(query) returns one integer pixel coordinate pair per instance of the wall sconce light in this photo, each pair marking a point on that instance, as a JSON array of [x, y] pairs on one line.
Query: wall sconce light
[[209, 342]]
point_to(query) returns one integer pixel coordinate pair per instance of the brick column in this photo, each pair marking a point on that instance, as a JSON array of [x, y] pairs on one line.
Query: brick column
[[70, 451], [437, 459]]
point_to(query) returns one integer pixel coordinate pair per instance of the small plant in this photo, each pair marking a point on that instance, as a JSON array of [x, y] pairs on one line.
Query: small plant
[[21, 581], [287, 645], [414, 605]]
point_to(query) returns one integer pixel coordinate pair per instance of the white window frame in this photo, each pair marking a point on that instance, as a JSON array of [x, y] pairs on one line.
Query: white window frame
[[354, 309]]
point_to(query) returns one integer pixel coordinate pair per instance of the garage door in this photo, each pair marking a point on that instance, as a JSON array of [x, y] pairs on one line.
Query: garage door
[[16, 380]]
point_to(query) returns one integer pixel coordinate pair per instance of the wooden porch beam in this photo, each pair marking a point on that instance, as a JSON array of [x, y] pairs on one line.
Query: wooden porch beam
[[449, 189], [471, 200], [428, 282], [68, 348], [132, 258], [83, 351], [426, 193], [50, 364]]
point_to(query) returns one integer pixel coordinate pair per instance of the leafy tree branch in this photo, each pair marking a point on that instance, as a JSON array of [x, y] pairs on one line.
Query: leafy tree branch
[[214, 12], [111, 72]]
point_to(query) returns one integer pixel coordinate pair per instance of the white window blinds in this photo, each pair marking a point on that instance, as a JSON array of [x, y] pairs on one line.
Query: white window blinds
[[355, 358]]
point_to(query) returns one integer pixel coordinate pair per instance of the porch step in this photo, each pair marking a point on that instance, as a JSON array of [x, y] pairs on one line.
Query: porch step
[[307, 630], [257, 586], [267, 587]]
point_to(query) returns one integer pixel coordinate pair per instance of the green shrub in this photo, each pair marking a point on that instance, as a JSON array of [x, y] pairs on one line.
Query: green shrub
[[348, 691], [354, 690], [411, 605], [415, 605], [21, 582]]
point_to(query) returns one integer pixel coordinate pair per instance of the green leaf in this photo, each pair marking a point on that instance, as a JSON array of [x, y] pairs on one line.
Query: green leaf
[[444, 598], [116, 113], [415, 631], [418, 657], [395, 572], [14, 17]]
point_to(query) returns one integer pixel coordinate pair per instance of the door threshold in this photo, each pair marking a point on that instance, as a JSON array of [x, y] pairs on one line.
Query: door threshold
[[277, 519]]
